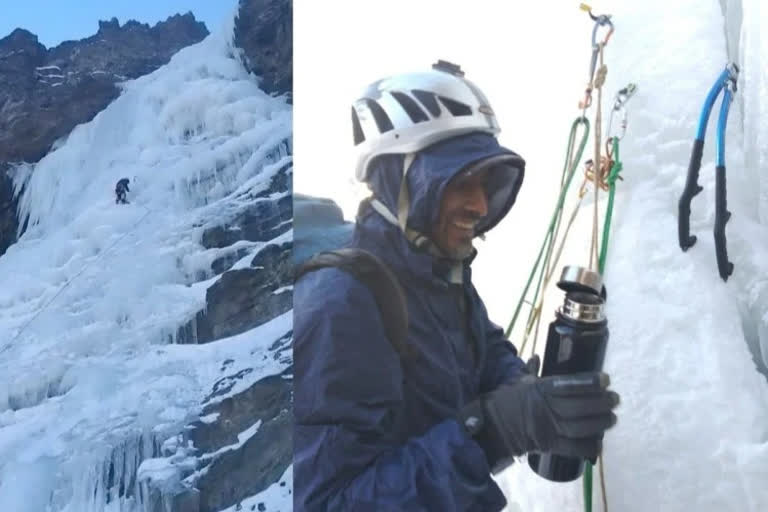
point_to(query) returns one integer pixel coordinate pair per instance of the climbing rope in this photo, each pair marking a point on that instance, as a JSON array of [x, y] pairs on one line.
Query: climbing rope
[[598, 50], [613, 176], [601, 172], [600, 21], [534, 320], [599, 81], [542, 263], [72, 279]]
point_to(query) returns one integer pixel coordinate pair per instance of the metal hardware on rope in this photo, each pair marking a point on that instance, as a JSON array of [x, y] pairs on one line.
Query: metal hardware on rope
[[726, 83], [593, 253], [600, 21], [619, 105], [594, 256], [604, 175]]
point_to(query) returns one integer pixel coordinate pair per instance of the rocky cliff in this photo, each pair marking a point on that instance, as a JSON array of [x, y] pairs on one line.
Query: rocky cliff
[[45, 93], [240, 300], [264, 31]]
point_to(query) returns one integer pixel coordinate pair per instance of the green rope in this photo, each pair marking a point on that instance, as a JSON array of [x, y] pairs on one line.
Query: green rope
[[612, 177], [587, 487], [554, 221], [549, 239]]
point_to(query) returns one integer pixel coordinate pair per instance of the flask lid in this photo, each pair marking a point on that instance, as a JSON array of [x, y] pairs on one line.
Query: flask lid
[[579, 279]]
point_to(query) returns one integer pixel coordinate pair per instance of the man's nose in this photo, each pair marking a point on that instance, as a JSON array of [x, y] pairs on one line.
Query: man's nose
[[477, 200]]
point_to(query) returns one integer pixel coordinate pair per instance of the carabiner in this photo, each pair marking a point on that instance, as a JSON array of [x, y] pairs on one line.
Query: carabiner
[[600, 21], [619, 105]]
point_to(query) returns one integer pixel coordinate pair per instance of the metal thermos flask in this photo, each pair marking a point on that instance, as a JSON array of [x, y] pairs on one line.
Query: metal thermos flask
[[576, 342]]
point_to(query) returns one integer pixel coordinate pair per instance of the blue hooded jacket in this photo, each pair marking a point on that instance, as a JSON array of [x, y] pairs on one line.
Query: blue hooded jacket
[[374, 431]]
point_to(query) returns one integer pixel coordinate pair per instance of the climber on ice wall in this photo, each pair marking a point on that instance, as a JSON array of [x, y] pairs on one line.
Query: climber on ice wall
[[121, 189]]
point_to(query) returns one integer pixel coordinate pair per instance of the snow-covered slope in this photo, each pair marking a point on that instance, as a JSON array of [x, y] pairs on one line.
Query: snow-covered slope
[[93, 293], [685, 346]]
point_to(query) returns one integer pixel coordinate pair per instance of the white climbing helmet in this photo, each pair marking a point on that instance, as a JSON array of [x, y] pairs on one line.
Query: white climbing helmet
[[408, 112]]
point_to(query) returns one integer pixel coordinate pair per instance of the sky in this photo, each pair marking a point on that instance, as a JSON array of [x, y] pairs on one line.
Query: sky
[[54, 22]]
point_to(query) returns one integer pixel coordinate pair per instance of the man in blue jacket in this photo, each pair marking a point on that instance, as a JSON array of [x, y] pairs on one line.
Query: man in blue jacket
[[377, 431]]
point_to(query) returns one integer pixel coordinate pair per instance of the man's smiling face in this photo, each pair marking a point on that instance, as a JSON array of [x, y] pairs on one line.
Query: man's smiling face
[[464, 204]]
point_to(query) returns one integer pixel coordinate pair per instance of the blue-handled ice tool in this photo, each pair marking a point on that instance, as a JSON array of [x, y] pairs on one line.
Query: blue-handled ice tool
[[726, 83]]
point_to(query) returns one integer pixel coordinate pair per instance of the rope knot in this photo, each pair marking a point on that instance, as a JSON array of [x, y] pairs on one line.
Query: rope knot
[[617, 175], [600, 77]]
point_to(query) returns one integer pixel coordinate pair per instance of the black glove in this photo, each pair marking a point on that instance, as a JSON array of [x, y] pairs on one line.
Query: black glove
[[562, 414]]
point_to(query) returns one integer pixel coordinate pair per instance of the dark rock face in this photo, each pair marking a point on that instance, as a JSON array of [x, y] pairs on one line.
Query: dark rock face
[[261, 460], [255, 466], [236, 468], [245, 298], [262, 220], [244, 450], [264, 30], [9, 223], [45, 93]]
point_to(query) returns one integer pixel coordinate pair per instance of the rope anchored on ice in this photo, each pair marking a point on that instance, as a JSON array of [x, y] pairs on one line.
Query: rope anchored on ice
[[596, 81], [619, 105], [71, 280], [602, 171], [725, 83]]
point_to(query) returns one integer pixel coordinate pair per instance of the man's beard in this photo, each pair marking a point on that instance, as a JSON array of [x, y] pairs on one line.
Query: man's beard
[[461, 252]]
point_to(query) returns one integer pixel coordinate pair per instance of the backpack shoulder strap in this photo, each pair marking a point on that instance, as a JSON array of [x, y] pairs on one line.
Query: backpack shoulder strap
[[379, 279]]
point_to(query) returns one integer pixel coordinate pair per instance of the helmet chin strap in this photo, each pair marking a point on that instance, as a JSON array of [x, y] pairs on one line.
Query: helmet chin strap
[[403, 202], [401, 220], [404, 196]]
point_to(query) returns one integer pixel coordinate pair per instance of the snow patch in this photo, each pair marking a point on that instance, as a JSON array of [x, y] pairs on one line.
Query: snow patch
[[242, 437], [210, 418]]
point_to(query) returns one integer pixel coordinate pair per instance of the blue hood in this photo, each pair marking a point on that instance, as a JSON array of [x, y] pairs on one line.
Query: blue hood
[[435, 166], [374, 431]]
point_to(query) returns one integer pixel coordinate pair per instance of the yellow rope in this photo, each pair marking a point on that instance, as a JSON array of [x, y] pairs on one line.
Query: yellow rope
[[602, 482], [599, 81], [534, 317]]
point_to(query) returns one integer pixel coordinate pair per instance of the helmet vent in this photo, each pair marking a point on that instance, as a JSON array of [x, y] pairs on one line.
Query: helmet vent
[[382, 119], [429, 101], [454, 107], [357, 130], [410, 106]]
